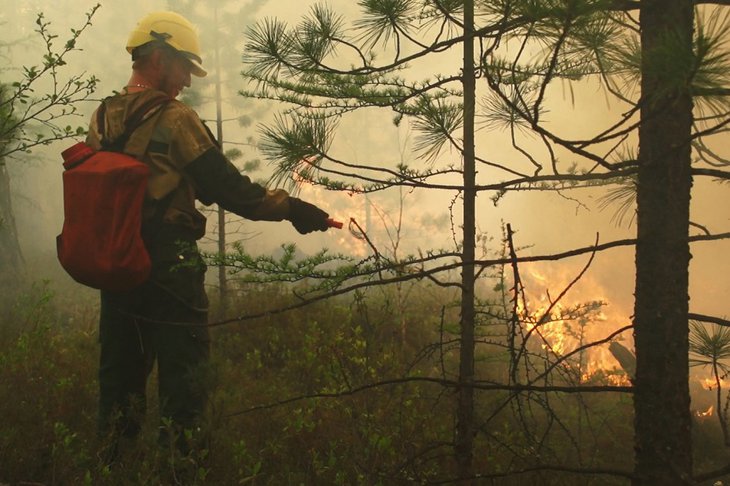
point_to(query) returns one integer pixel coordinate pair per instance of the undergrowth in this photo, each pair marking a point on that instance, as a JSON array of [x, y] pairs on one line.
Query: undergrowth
[[324, 394]]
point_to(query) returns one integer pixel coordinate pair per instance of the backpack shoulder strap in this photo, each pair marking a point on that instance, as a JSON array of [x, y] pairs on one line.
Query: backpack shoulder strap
[[131, 123]]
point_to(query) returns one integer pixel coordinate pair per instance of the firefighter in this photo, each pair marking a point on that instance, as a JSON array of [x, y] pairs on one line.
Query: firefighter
[[163, 320]]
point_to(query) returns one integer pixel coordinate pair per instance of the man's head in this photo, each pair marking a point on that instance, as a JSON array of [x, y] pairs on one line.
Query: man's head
[[165, 46]]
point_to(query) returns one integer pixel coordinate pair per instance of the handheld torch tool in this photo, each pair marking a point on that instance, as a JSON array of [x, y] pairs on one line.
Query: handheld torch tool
[[332, 223]]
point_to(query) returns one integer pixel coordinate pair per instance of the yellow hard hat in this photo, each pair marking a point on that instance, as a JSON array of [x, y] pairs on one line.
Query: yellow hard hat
[[174, 30]]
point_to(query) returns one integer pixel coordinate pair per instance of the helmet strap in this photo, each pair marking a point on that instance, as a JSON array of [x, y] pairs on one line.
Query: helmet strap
[[162, 37]]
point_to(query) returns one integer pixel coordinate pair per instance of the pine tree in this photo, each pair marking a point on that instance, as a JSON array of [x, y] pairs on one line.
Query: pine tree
[[514, 52]]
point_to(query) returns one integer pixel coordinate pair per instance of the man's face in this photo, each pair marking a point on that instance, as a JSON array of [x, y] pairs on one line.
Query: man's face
[[175, 74]]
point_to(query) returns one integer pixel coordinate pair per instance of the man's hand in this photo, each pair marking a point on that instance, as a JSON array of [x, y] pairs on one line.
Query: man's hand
[[307, 217]]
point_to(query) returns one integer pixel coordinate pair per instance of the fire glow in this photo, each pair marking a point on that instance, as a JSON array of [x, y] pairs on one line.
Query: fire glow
[[582, 316], [705, 413], [711, 383]]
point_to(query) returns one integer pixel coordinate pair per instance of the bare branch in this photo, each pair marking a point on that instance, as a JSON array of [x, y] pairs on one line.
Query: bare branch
[[477, 385], [710, 319]]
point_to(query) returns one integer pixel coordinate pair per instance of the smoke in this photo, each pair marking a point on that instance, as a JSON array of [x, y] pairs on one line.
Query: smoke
[[545, 222]]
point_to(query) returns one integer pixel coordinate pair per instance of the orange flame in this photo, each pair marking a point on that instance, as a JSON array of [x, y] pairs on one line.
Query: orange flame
[[563, 332], [706, 413], [711, 383]]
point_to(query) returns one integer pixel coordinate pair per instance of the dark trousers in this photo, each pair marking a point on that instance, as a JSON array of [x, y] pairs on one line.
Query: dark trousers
[[140, 328]]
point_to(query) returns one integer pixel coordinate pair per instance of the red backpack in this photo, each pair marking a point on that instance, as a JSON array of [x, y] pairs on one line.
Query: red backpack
[[100, 244]]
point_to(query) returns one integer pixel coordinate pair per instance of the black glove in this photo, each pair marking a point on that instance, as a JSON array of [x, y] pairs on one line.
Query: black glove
[[307, 217]]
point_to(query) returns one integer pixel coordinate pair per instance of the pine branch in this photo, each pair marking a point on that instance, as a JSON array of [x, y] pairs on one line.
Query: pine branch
[[718, 174], [710, 2], [711, 91], [711, 319], [401, 276]]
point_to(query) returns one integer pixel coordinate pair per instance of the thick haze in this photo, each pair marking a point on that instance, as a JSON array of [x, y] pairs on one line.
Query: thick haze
[[545, 222]]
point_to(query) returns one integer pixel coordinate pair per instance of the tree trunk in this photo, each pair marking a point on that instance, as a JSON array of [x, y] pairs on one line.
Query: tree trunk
[[661, 400], [222, 278], [11, 258], [465, 428]]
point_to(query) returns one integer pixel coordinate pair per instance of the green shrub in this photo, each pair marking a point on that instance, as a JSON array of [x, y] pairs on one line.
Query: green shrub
[[315, 395]]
